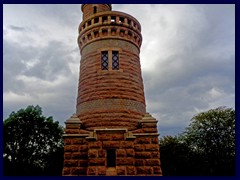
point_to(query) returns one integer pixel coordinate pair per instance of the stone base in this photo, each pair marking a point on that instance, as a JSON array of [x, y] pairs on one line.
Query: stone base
[[110, 152]]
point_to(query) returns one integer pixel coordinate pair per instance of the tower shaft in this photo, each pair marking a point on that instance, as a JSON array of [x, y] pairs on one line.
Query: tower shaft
[[110, 91]]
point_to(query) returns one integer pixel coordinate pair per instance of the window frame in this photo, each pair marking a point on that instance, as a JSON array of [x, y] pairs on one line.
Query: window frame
[[110, 59]]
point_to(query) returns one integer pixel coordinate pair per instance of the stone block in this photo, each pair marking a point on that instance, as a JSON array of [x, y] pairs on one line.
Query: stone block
[[83, 163], [77, 171], [146, 170], [116, 137], [155, 154], [143, 140], [71, 148], [71, 131], [72, 126], [70, 163], [80, 155], [67, 141], [83, 148], [125, 161], [101, 153], [121, 153], [151, 147], [92, 153], [66, 171], [130, 152], [102, 170], [131, 170], [149, 125], [126, 144], [78, 141], [111, 144], [95, 144], [155, 140], [139, 147], [104, 137], [121, 170], [157, 170], [143, 155], [152, 162], [67, 155], [92, 171], [150, 130], [96, 162], [140, 162]]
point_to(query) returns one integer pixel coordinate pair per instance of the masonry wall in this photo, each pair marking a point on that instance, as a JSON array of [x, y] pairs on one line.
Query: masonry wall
[[136, 155], [110, 98]]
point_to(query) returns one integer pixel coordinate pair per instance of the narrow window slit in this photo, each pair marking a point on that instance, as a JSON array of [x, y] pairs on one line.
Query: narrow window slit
[[111, 158]]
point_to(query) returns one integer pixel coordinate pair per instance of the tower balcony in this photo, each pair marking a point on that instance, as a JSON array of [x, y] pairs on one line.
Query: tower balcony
[[109, 24]]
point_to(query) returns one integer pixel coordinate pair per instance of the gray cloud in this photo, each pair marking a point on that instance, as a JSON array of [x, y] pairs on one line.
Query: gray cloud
[[17, 28], [187, 58]]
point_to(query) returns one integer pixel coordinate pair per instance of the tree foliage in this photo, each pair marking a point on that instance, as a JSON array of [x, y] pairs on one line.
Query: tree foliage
[[207, 147], [33, 143], [212, 135], [175, 156]]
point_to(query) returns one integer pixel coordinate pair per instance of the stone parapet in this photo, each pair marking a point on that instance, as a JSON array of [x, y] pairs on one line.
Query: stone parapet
[[110, 25]]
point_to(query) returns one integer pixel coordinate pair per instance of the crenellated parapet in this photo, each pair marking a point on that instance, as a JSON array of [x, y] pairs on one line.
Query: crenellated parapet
[[109, 25]]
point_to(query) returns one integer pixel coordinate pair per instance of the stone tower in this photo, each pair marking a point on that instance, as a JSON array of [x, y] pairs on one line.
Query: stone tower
[[111, 133]]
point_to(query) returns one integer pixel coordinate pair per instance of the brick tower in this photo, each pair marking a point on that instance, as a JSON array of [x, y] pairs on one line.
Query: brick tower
[[111, 133]]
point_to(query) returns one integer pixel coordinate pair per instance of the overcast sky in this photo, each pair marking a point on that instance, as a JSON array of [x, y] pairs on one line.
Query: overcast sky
[[187, 59]]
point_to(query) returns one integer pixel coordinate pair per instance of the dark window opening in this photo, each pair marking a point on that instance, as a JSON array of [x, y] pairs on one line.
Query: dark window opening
[[89, 36], [122, 33], [89, 23], [104, 19], [115, 60], [114, 31], [104, 60], [94, 9], [111, 158], [96, 34], [104, 32], [96, 20], [121, 19], [113, 18]]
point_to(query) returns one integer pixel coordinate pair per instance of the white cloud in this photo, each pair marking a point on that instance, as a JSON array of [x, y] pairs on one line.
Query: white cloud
[[187, 59]]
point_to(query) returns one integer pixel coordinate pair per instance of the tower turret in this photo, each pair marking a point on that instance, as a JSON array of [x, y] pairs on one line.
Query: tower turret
[[91, 9]]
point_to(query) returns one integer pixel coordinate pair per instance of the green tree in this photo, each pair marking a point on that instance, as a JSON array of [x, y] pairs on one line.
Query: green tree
[[211, 134], [177, 158], [33, 144]]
